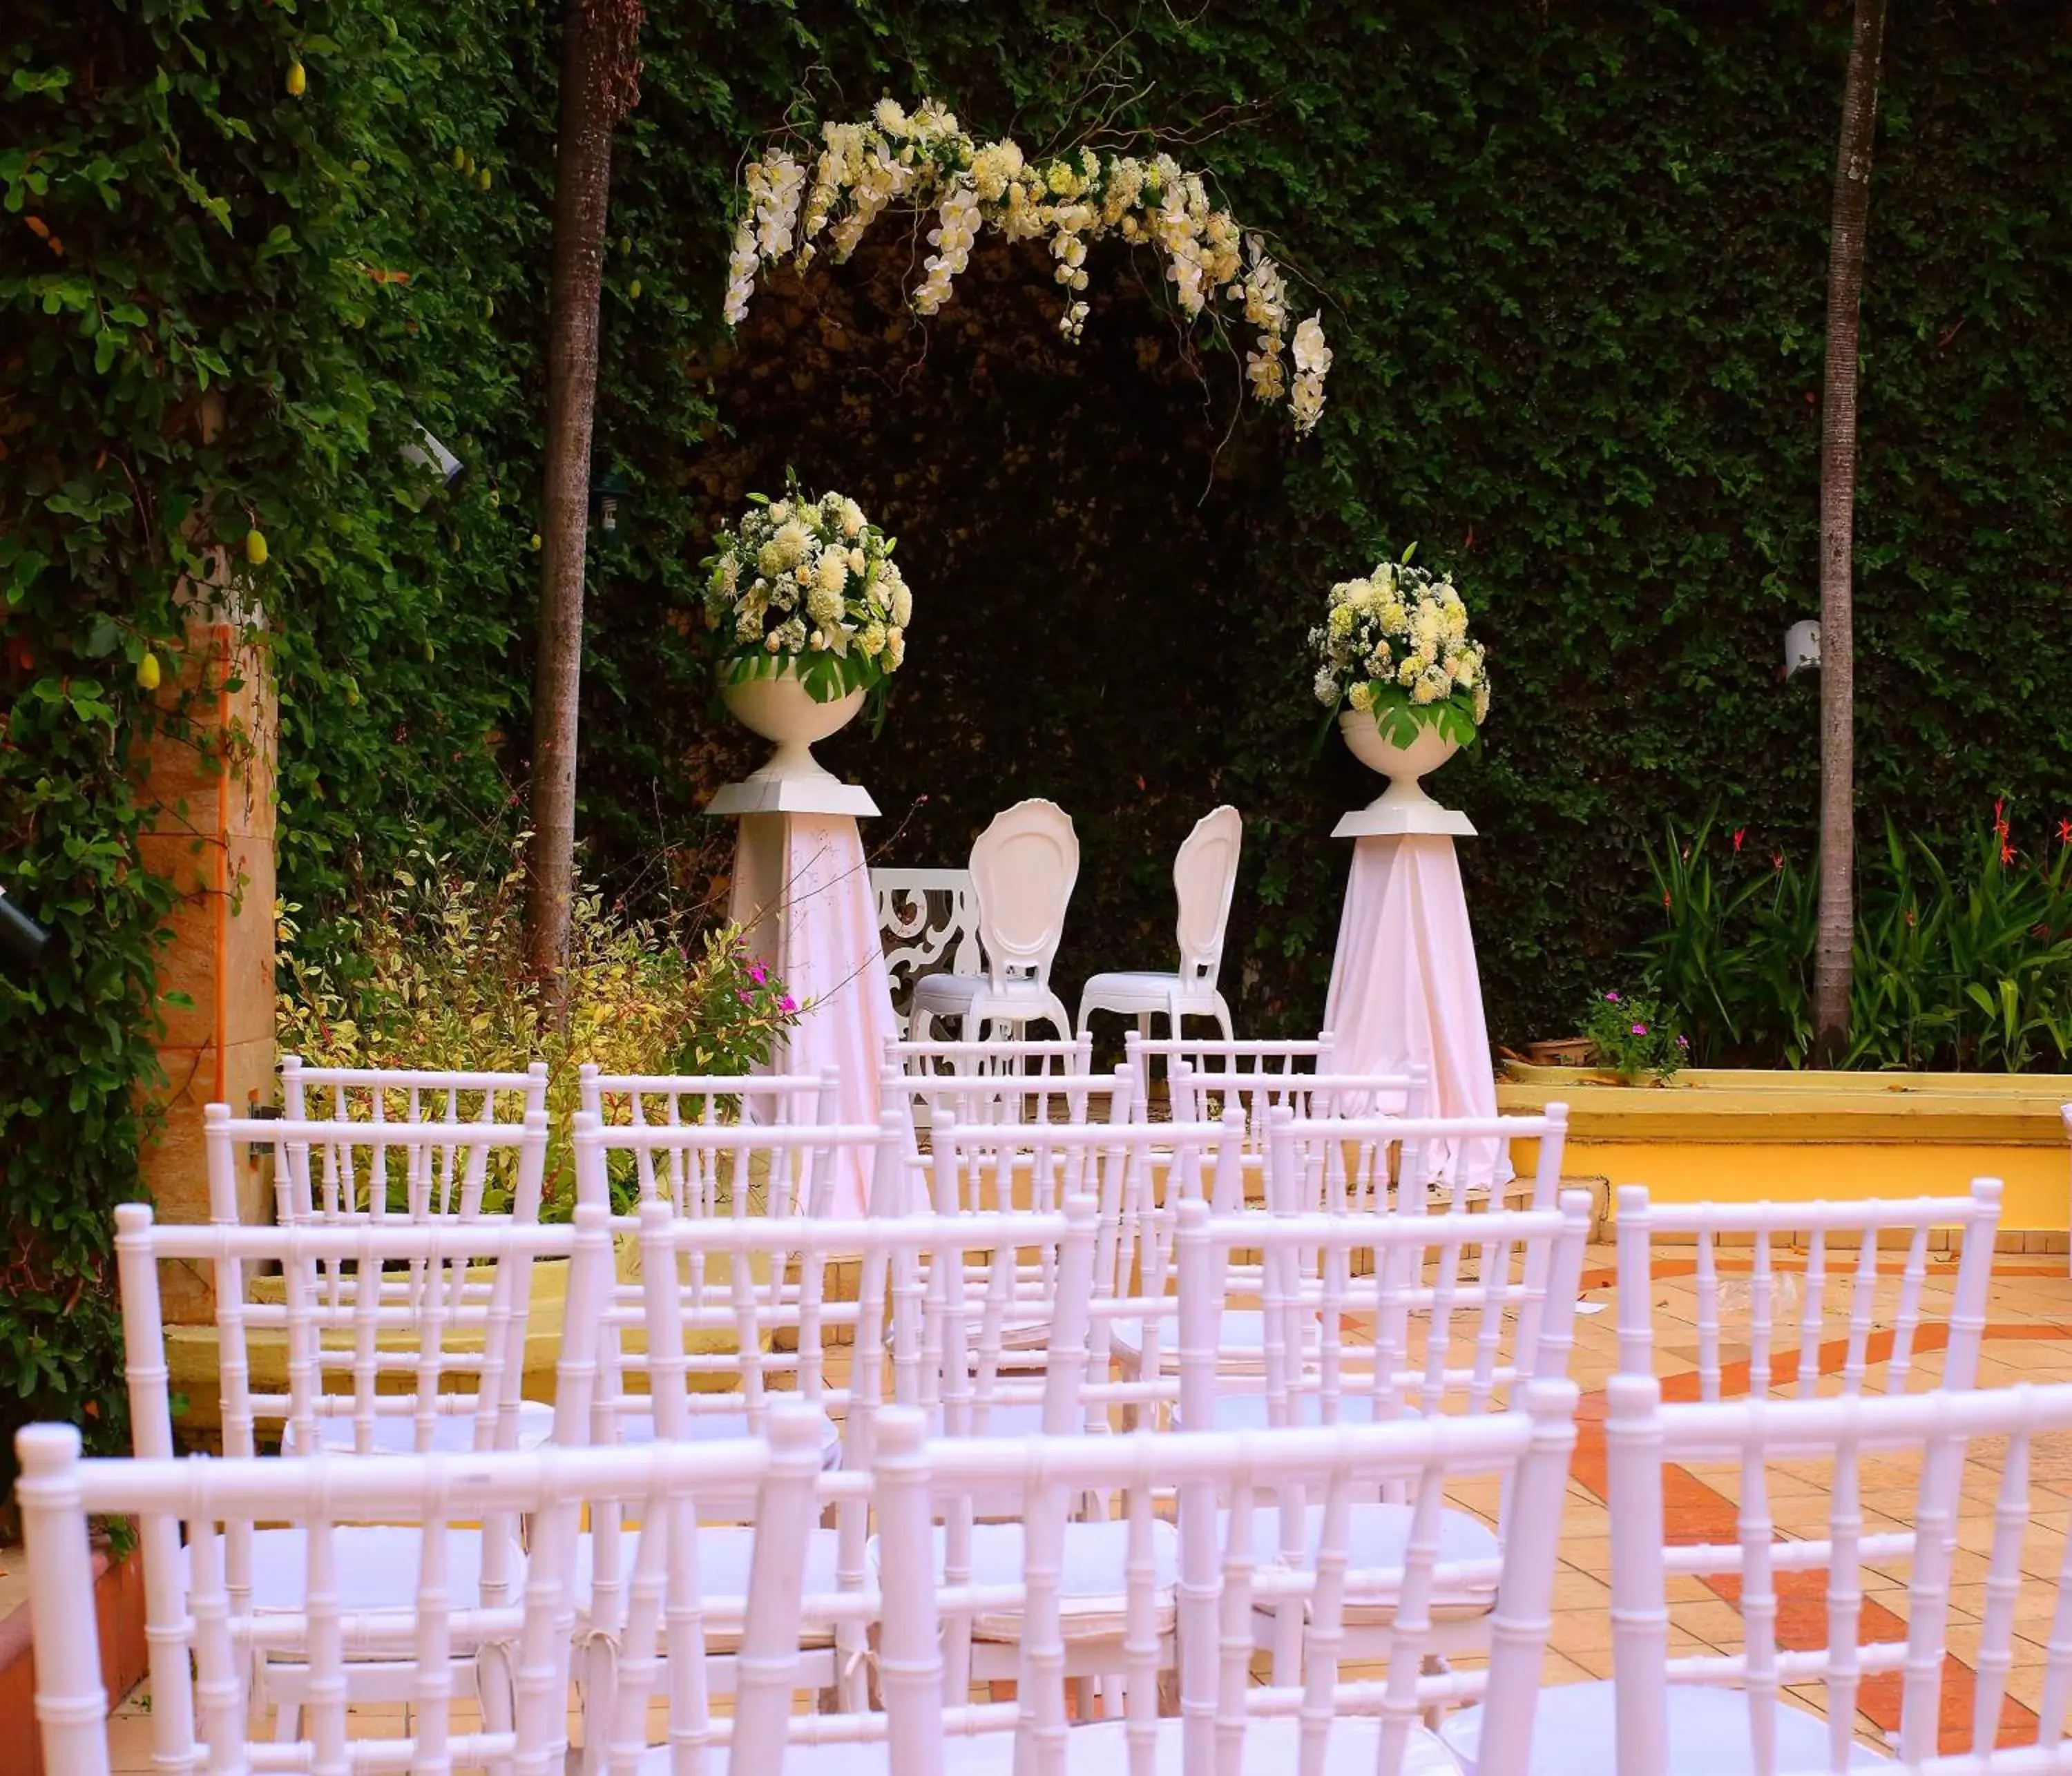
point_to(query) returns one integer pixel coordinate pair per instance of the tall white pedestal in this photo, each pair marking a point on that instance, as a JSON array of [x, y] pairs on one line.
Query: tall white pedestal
[[802, 895], [1405, 990]]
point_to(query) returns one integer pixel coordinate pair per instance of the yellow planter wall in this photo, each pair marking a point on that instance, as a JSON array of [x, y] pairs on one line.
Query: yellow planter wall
[[1734, 1136]]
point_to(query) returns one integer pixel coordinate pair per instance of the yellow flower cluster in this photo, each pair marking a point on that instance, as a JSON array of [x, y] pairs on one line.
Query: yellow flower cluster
[[1399, 637], [925, 159]]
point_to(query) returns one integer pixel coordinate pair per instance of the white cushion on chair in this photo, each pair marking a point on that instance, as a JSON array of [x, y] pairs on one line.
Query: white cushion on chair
[[1575, 1733], [1378, 1535], [1247, 1411], [638, 1428], [1124, 989], [947, 994], [1091, 1604], [377, 1566], [453, 1433], [1102, 1749], [724, 1551]]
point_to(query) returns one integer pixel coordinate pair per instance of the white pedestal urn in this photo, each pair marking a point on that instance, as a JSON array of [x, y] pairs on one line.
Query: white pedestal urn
[[780, 708], [1403, 806]]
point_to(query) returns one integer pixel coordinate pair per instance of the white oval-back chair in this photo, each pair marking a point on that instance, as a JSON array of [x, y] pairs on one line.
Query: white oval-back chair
[[1204, 875], [1023, 868]]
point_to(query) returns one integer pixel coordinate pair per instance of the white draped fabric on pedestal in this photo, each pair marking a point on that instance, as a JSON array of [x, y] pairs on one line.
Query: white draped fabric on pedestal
[[802, 892], [1405, 990]]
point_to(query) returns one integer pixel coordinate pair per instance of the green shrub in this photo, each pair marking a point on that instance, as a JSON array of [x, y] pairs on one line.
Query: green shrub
[[427, 971], [1634, 1036], [1960, 968]]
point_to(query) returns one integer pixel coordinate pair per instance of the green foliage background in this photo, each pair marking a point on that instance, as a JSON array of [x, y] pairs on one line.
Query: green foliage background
[[1572, 260]]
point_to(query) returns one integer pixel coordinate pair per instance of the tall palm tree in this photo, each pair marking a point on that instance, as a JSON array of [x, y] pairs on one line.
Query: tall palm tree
[[600, 83], [1837, 926]]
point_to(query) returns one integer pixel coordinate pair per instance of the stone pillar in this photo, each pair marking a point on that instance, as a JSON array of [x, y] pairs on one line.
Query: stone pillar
[[207, 782]]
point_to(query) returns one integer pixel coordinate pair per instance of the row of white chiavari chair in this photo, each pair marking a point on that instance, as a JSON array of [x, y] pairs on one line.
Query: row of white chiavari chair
[[1454, 1322]]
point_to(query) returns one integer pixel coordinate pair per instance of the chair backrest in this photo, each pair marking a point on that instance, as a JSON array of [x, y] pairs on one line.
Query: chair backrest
[[1462, 1309], [405, 1094], [1886, 1318], [991, 1081], [201, 1696], [1204, 1094], [1204, 877], [1210, 1055], [1368, 1162], [330, 1174], [1023, 867], [767, 1099], [1226, 1571], [1958, 1671], [731, 1170]]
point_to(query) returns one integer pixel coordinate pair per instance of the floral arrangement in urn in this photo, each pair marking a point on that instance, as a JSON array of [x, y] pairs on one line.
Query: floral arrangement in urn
[[1395, 647], [805, 587], [795, 203]]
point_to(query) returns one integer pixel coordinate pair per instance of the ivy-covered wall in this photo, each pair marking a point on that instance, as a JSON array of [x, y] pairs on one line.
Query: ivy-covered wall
[[1571, 258]]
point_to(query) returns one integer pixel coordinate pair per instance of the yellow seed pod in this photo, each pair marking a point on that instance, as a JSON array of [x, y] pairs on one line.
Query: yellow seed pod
[[299, 82], [255, 548], [148, 674]]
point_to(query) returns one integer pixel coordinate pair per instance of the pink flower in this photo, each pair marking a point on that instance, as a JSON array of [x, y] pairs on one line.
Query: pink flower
[[1611, 999], [1640, 1030], [758, 974], [1683, 1042], [744, 995], [787, 1005]]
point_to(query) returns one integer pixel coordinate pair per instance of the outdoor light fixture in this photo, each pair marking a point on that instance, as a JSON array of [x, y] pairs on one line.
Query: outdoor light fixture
[[432, 454], [610, 497], [23, 941], [1802, 647]]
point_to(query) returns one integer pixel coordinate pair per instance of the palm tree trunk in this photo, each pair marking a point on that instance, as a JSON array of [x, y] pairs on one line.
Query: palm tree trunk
[[1836, 926], [599, 80]]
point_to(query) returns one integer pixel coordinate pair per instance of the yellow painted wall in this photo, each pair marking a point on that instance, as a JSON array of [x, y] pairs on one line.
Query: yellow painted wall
[[1742, 1136]]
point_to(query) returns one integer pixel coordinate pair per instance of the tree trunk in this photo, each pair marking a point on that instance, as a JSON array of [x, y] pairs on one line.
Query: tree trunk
[[596, 87], [1836, 927]]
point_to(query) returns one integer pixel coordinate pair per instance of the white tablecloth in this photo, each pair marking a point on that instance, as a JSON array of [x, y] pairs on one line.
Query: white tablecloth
[[1405, 989], [802, 887]]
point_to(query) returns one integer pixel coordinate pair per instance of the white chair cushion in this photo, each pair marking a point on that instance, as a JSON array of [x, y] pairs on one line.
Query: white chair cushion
[[638, 1428], [1132, 986], [1102, 1749], [377, 1566], [724, 1551], [1247, 1411], [453, 1433], [1575, 1733], [1091, 1606], [1241, 1343], [1378, 1535]]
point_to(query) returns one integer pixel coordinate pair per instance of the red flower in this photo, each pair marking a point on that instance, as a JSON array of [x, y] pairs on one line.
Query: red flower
[[2007, 850], [2000, 824], [1665, 897], [1740, 833], [2065, 832], [1776, 859]]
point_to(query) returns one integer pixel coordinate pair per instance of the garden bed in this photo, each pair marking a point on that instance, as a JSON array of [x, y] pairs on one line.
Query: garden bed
[[1731, 1136]]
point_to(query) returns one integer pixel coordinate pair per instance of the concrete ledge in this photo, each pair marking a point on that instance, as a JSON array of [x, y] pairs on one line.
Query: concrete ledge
[[1742, 1136]]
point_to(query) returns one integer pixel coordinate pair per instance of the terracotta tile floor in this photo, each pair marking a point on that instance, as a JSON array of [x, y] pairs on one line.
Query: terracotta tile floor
[[2029, 1338]]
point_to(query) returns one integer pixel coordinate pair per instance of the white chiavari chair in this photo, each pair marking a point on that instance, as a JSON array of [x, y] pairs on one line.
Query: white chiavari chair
[[1829, 1254], [1330, 1723], [437, 1179], [333, 1173], [202, 1699], [431, 1360], [1978, 1692], [697, 1174], [1270, 1057], [378, 1173], [1427, 1316]]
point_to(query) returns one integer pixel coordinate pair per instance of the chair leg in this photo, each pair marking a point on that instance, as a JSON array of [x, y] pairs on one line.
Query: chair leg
[[1222, 1017]]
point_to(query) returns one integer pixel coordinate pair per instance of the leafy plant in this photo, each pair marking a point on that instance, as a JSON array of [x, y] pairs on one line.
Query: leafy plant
[[1961, 971], [1634, 1036], [428, 971]]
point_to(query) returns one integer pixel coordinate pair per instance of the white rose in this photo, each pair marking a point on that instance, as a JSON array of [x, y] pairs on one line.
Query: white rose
[[902, 605]]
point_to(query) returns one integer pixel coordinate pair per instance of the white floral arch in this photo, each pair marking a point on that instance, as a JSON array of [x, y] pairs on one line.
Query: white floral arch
[[924, 160]]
